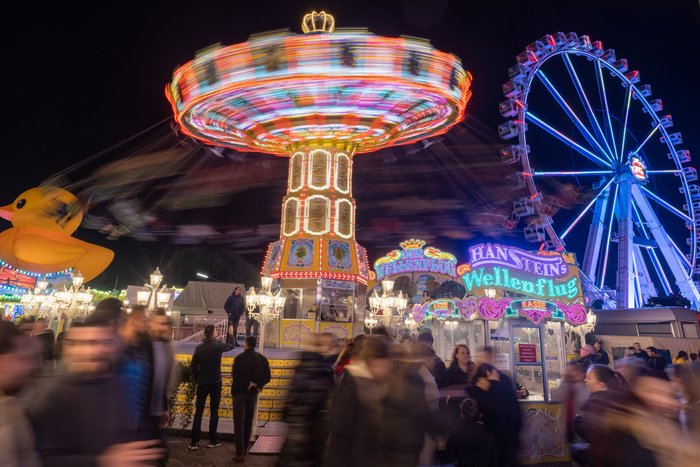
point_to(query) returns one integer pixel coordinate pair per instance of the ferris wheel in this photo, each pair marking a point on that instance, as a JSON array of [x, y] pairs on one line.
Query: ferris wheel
[[603, 174]]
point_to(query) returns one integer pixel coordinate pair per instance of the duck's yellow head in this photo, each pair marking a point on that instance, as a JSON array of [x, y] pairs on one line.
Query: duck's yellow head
[[48, 208]]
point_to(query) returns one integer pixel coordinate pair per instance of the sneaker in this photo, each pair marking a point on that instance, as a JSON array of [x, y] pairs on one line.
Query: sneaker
[[193, 446], [215, 444]]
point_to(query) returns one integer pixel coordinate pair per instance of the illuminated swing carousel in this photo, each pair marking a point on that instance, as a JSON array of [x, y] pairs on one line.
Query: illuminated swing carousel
[[319, 98]]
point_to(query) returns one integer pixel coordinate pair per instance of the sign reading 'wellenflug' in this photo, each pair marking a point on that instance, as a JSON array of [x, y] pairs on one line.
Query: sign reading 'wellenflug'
[[547, 275]]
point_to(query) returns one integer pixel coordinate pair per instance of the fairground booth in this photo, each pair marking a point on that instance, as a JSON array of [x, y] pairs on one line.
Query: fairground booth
[[527, 306]]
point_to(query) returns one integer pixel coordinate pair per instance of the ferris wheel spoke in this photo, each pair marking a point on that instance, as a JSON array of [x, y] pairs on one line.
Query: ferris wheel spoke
[[652, 251], [677, 263], [604, 97], [570, 113], [607, 241], [666, 204], [566, 140], [628, 102], [585, 210], [574, 173], [584, 99], [651, 133], [670, 171]]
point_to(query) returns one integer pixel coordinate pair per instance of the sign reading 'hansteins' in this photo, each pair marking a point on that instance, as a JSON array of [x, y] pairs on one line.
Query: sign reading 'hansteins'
[[543, 274], [414, 258]]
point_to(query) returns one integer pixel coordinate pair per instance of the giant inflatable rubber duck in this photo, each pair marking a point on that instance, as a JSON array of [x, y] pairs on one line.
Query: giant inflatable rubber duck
[[43, 220]]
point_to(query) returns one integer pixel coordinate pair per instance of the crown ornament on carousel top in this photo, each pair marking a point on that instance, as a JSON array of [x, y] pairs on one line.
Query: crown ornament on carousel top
[[318, 22], [412, 243]]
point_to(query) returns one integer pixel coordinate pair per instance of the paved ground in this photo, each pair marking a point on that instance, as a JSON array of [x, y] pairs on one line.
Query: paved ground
[[209, 457]]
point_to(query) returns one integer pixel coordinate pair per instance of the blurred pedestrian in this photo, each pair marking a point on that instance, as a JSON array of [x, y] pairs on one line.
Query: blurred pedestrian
[[163, 362], [235, 308], [18, 360], [111, 312], [437, 366], [306, 407], [46, 338], [461, 369], [80, 418], [686, 386], [572, 393], [491, 414], [26, 325], [351, 351], [695, 363], [503, 389], [601, 356], [639, 352], [136, 371], [587, 354], [656, 360], [250, 372], [682, 358], [470, 444], [425, 355], [206, 369], [364, 416], [609, 393]]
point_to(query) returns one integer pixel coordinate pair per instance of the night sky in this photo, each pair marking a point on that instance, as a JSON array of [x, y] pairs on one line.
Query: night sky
[[78, 80]]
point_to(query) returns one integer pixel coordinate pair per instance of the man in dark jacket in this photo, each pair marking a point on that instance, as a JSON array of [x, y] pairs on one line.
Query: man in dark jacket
[[507, 404], [79, 419], [206, 369], [235, 307], [436, 366], [250, 372]]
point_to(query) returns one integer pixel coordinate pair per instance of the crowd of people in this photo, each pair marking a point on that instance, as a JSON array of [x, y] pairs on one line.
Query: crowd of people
[[98, 395], [377, 402]]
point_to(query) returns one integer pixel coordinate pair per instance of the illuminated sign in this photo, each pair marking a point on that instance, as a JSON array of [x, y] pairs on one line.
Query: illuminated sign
[[534, 310], [414, 258], [14, 278], [493, 309], [638, 168], [544, 274]]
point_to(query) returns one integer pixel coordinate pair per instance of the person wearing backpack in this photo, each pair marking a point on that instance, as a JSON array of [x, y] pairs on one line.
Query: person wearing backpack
[[250, 372]]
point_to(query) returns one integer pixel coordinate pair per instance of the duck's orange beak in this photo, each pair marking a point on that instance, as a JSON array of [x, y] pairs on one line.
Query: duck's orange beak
[[7, 212]]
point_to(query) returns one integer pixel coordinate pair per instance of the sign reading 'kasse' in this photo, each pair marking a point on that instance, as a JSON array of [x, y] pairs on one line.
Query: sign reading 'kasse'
[[543, 274], [414, 258]]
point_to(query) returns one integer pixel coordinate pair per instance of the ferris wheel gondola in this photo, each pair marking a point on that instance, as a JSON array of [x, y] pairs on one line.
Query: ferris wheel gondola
[[584, 125]]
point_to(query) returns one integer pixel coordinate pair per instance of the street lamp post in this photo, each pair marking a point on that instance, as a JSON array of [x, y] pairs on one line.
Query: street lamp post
[[269, 306], [389, 306], [154, 296]]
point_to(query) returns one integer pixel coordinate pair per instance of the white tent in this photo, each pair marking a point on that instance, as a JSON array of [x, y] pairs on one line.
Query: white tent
[[197, 298]]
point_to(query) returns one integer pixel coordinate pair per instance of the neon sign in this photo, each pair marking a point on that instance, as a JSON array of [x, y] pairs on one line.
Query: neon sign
[[638, 168], [414, 258], [492, 309], [543, 275]]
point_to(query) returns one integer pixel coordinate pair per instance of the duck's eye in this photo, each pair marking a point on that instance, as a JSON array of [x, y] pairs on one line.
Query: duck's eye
[[21, 203]]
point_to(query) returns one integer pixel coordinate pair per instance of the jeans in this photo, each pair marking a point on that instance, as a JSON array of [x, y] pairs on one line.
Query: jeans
[[251, 323], [243, 411], [214, 393], [232, 321]]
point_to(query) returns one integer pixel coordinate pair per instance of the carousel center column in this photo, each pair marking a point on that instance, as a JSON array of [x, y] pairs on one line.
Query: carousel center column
[[317, 260]]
